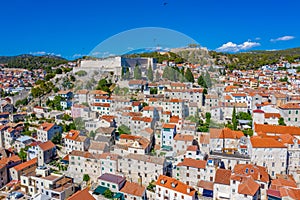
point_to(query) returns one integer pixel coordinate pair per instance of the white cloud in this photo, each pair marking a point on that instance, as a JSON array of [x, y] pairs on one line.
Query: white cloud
[[77, 55], [257, 38], [42, 53], [38, 53], [232, 47], [283, 38]]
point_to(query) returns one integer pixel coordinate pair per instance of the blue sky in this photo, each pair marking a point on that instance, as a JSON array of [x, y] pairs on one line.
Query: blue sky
[[73, 28]]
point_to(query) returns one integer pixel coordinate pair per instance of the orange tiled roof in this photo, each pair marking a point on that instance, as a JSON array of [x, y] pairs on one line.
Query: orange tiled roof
[[290, 106], [46, 126], [82, 194], [272, 115], [133, 189], [180, 187], [184, 137], [293, 193], [274, 129], [225, 133], [47, 145], [169, 126], [207, 185], [25, 164], [256, 172], [248, 186], [192, 148], [258, 142], [189, 162], [223, 176], [72, 135], [278, 183]]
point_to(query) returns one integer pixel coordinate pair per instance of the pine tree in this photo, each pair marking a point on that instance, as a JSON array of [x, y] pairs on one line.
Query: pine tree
[[150, 73], [234, 119], [137, 73], [207, 79], [201, 81], [189, 76]]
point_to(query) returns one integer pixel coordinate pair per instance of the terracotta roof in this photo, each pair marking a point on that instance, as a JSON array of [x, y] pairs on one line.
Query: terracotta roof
[[274, 129], [207, 185], [258, 173], [272, 115], [133, 189], [98, 92], [174, 119], [82, 194], [248, 186], [136, 82], [46, 126], [278, 183], [180, 187], [47, 145], [204, 139], [189, 162], [223, 176], [106, 105], [225, 133], [72, 135], [238, 94], [192, 148], [184, 137], [293, 193], [96, 145], [290, 106], [258, 142], [26, 164], [258, 111], [172, 126], [82, 92]]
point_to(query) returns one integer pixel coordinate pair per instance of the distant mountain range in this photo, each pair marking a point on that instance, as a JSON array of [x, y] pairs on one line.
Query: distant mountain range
[[30, 62], [202, 56]]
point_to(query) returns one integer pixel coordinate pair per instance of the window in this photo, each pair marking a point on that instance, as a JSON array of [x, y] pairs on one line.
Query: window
[[114, 186]]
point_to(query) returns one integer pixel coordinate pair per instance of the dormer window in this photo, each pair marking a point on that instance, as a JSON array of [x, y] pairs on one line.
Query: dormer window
[[162, 181], [247, 170]]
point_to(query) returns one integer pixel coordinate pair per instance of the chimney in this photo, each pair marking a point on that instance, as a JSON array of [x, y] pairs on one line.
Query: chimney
[[188, 190]]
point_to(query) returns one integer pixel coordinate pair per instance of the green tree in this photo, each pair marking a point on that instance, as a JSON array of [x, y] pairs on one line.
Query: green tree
[[281, 122], [137, 73], [86, 178], [58, 71], [207, 117], [123, 129], [22, 154], [244, 116], [234, 119], [201, 81], [92, 134], [153, 90], [104, 85], [79, 124], [108, 194], [57, 139], [207, 79], [189, 75], [150, 73]]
